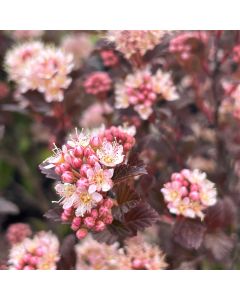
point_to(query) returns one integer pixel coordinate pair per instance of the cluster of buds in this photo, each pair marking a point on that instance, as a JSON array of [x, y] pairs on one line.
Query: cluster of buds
[[189, 193], [109, 58], [39, 253], [122, 135], [94, 220], [142, 89], [17, 232], [231, 102], [135, 42], [135, 255], [34, 66], [85, 165], [187, 44], [98, 84]]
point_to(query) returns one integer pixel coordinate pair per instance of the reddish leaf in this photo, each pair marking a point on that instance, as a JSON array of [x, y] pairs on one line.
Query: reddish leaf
[[127, 198], [219, 244], [67, 253], [117, 231], [140, 217], [189, 233], [123, 172]]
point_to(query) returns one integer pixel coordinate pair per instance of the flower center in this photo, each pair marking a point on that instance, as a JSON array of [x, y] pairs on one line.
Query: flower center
[[85, 198]]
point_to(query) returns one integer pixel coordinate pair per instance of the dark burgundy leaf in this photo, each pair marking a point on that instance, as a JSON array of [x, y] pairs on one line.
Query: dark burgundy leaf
[[117, 231], [67, 253], [123, 172], [50, 173], [54, 214], [223, 214], [140, 217], [219, 244], [189, 233], [127, 198]]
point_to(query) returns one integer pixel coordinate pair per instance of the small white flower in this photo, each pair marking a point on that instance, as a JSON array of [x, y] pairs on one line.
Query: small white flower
[[110, 154], [99, 179]]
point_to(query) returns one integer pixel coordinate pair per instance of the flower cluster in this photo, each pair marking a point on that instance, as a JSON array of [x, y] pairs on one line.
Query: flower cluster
[[142, 89], [231, 102], [135, 42], [109, 58], [39, 253], [34, 66], [97, 83], [79, 45], [187, 43], [86, 165], [17, 232], [189, 193], [136, 255]]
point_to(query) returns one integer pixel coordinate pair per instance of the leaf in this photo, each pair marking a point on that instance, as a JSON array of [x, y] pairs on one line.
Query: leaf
[[50, 173], [189, 233], [54, 214], [219, 244], [67, 253], [123, 172], [114, 232], [221, 215], [140, 217], [126, 197], [7, 207]]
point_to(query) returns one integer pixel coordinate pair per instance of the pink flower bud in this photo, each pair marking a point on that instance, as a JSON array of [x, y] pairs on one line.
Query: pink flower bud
[[84, 169], [77, 221], [78, 151], [76, 162], [65, 167], [68, 158], [74, 227], [89, 222], [183, 191], [92, 159], [108, 219], [194, 196], [39, 252], [64, 217], [194, 187], [177, 177], [67, 177], [88, 151], [103, 211], [95, 142], [81, 233], [94, 213], [34, 260], [137, 264], [100, 226], [58, 170], [108, 203]]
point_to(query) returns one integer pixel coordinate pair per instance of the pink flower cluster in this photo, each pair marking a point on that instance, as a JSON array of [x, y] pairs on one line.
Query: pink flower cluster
[[109, 58], [17, 232], [185, 44], [39, 253], [98, 83], [135, 255], [189, 193], [135, 42], [231, 104], [142, 89], [94, 220], [34, 66], [86, 166]]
